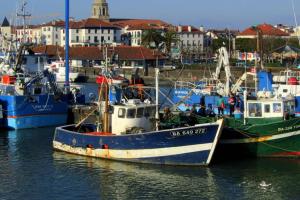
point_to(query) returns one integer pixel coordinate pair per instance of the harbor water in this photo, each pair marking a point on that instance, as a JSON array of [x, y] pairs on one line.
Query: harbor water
[[31, 169]]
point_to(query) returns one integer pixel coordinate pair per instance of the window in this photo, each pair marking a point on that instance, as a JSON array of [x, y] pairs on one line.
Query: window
[[89, 31], [140, 113], [131, 113], [77, 38], [255, 109], [267, 108], [77, 31], [95, 39], [24, 61], [108, 38], [149, 112], [277, 107], [121, 112], [95, 30], [108, 31]]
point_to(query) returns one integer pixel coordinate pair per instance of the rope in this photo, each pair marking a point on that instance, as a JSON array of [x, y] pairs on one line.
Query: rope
[[89, 114], [170, 90]]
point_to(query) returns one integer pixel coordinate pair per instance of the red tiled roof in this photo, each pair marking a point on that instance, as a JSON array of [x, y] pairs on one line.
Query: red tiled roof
[[140, 22], [96, 53], [56, 23], [85, 23], [266, 29], [50, 50], [90, 23], [185, 29]]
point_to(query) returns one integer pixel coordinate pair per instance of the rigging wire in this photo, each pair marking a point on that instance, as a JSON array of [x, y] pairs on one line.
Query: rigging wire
[[296, 21]]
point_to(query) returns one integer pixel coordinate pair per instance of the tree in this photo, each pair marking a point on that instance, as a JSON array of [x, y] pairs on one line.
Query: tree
[[170, 39], [152, 38]]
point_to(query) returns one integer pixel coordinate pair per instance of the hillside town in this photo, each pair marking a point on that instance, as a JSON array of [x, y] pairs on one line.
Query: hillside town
[[187, 43]]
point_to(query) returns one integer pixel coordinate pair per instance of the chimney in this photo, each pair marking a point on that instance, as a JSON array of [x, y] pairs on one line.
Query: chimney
[[201, 29], [189, 29], [179, 29]]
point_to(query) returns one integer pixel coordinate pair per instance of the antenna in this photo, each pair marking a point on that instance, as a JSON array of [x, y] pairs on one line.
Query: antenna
[[24, 15]]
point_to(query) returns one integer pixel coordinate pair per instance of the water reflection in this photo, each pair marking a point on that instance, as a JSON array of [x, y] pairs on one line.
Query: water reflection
[[268, 178], [30, 169], [119, 180]]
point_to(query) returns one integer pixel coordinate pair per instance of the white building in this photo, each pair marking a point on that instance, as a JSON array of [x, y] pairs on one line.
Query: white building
[[133, 29], [51, 33], [191, 38], [92, 32]]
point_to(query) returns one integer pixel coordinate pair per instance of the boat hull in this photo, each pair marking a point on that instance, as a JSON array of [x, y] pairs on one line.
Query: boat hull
[[277, 139], [185, 146], [22, 112]]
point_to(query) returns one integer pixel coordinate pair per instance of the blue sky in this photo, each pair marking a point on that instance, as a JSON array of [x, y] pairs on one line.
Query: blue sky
[[235, 14]]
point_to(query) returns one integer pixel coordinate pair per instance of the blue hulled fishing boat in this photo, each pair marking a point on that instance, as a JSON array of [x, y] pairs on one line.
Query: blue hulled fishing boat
[[30, 102], [132, 131]]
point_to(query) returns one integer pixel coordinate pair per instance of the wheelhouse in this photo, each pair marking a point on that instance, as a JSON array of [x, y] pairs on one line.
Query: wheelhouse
[[132, 115], [270, 108]]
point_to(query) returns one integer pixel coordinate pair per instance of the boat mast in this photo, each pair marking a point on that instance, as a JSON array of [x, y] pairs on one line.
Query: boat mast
[[106, 111], [24, 15], [157, 93], [245, 106], [67, 8]]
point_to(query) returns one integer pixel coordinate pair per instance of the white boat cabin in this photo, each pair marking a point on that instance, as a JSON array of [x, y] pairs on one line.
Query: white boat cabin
[[270, 108], [133, 116]]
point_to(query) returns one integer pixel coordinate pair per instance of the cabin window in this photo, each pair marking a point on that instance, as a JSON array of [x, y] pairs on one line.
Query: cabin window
[[277, 107], [121, 113], [289, 106], [111, 109], [24, 61], [140, 113], [37, 91], [255, 109], [149, 111], [267, 108], [131, 113]]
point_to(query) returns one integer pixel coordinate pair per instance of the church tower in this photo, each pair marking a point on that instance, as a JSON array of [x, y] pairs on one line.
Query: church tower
[[100, 10]]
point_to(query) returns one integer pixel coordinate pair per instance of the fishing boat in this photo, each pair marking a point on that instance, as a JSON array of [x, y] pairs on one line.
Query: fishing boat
[[269, 128], [266, 124], [30, 102], [130, 132]]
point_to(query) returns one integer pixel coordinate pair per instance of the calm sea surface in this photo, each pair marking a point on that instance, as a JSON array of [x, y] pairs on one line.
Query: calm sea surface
[[30, 169]]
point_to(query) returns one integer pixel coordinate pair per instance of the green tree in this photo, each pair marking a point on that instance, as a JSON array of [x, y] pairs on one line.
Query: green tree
[[152, 38], [170, 39]]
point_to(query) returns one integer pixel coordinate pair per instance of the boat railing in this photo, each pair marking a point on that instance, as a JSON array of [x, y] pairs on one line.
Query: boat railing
[[201, 84]]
